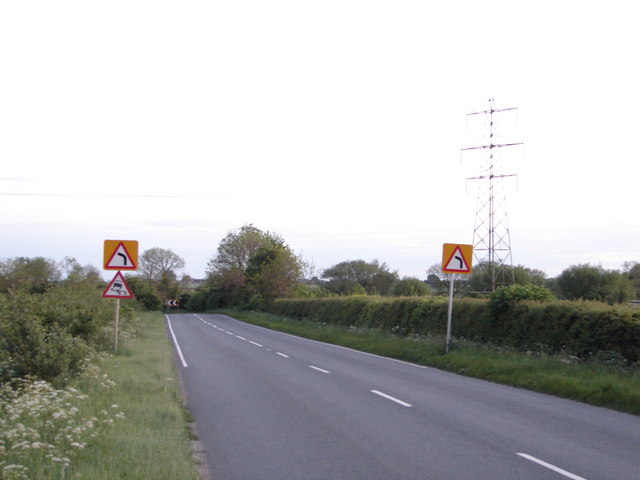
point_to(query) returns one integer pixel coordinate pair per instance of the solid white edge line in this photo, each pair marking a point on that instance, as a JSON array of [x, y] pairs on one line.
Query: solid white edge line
[[282, 355], [551, 467], [319, 369], [393, 399], [175, 341]]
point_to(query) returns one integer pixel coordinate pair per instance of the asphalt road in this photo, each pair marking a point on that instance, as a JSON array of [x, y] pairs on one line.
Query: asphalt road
[[269, 406]]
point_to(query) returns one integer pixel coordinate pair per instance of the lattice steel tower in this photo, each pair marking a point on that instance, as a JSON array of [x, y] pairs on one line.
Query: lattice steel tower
[[491, 239]]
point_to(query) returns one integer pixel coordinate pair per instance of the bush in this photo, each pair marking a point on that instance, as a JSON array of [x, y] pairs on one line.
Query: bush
[[410, 287], [518, 316], [50, 335], [28, 348], [505, 298]]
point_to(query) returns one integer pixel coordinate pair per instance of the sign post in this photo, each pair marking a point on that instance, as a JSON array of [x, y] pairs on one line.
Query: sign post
[[115, 337], [456, 259], [119, 255]]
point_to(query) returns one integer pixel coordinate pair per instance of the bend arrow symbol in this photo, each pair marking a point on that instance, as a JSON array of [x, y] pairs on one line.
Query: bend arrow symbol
[[457, 257], [124, 258]]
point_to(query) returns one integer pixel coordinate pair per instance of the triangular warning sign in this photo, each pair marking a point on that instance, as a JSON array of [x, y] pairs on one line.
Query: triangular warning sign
[[457, 263], [118, 288], [121, 259]]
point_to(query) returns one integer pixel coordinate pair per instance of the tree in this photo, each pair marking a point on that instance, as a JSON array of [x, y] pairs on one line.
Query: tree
[[236, 249], [34, 275], [273, 270], [440, 281], [226, 270], [156, 263], [593, 282], [75, 274], [248, 262], [479, 278], [374, 277], [410, 287], [158, 268], [632, 271], [144, 292]]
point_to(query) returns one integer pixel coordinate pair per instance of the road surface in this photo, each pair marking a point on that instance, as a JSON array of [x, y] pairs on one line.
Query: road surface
[[269, 406]]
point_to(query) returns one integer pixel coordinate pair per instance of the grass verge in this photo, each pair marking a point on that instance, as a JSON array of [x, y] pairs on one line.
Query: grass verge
[[611, 386], [153, 440]]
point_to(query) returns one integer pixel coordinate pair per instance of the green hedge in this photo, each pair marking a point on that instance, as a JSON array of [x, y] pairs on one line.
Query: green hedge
[[50, 335], [404, 316], [583, 329]]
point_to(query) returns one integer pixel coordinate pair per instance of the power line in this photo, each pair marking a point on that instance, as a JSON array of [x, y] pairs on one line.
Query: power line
[[105, 195]]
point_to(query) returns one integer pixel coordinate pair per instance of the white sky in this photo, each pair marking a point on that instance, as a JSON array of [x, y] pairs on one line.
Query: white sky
[[337, 124]]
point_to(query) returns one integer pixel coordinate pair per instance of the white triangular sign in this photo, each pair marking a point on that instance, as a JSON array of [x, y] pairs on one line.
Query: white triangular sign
[[118, 288], [120, 258], [457, 262]]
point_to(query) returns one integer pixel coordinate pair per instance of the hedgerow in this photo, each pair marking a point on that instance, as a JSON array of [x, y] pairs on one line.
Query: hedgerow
[[579, 328], [50, 335]]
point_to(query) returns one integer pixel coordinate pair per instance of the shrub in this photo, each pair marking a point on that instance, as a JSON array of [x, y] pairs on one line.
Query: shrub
[[28, 348], [518, 316], [505, 298], [410, 287], [49, 335]]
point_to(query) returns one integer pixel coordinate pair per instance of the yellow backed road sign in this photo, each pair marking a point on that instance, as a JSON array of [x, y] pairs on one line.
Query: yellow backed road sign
[[457, 258], [120, 255]]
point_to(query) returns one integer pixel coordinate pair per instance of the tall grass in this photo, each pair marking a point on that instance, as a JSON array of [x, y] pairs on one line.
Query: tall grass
[[609, 384], [122, 419]]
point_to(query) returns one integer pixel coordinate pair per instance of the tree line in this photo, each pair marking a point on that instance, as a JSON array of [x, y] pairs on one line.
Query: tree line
[[252, 267]]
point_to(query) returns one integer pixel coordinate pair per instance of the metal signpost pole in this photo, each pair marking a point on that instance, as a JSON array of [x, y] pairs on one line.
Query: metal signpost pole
[[456, 259], [115, 340], [446, 348], [119, 255]]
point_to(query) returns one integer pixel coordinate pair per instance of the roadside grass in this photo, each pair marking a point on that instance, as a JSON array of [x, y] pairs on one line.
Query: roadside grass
[[153, 440], [607, 385]]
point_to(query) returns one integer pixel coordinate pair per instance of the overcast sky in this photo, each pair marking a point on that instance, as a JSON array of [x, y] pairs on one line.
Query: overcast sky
[[336, 124]]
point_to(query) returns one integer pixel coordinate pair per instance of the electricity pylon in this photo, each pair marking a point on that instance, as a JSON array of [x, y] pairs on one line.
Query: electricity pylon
[[491, 238]]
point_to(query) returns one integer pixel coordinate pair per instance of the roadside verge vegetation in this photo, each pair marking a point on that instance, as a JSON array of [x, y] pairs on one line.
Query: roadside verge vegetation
[[612, 384], [522, 317], [69, 408]]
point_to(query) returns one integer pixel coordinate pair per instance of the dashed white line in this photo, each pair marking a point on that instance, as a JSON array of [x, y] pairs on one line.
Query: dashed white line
[[241, 338], [551, 467], [256, 344], [282, 354], [393, 399], [319, 369]]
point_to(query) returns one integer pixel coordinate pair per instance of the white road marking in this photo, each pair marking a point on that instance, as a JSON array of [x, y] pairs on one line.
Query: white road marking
[[256, 344], [230, 333], [241, 338], [175, 341], [319, 369], [282, 355], [393, 399], [551, 467]]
